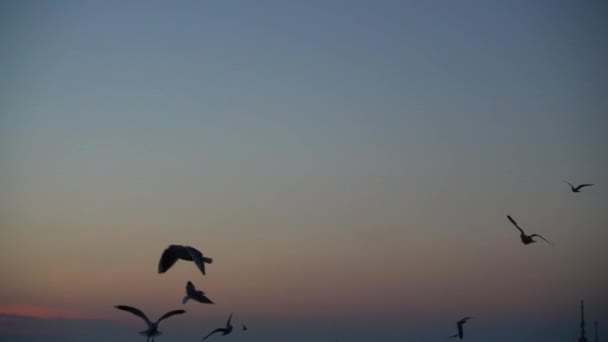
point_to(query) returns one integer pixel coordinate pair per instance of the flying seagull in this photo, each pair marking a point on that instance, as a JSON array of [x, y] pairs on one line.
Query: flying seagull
[[460, 323], [244, 327], [174, 252], [225, 331], [577, 188], [526, 239], [194, 294], [152, 330]]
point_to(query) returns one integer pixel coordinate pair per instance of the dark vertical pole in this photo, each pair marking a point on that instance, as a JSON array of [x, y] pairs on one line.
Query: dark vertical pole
[[582, 338]]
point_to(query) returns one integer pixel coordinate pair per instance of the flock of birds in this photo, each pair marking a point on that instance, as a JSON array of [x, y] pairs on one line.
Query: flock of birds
[[168, 259], [526, 240], [176, 252]]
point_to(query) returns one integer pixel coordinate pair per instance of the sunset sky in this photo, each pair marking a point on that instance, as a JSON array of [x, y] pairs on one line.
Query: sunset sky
[[348, 165]]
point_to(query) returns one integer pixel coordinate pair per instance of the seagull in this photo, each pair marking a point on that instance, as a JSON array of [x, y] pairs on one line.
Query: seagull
[[460, 323], [577, 188], [174, 252], [225, 331], [244, 327], [194, 294], [152, 330], [526, 239]]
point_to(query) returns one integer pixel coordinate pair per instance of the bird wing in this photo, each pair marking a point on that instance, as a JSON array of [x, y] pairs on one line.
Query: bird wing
[[571, 186], [167, 259], [228, 322], [582, 186], [533, 235], [197, 257], [200, 297], [453, 336], [213, 332], [169, 314], [460, 330], [244, 327], [134, 311], [190, 287], [515, 224]]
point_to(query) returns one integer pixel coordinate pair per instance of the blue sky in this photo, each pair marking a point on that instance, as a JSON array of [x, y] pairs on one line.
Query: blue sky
[[342, 161]]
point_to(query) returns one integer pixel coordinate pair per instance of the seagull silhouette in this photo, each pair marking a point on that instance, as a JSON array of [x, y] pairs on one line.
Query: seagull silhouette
[[174, 252], [225, 331], [460, 323], [194, 294], [244, 327], [526, 239], [577, 188], [152, 330]]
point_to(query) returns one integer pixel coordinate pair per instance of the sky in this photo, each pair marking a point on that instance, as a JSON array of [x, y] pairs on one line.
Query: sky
[[348, 165]]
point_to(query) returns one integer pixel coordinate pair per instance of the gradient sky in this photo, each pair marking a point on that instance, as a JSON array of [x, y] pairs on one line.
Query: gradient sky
[[348, 165]]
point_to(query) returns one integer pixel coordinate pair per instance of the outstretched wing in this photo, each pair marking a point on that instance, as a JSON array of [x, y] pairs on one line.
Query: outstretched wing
[[197, 257], [134, 311], [200, 297], [453, 336], [571, 186], [515, 224], [190, 287], [549, 242], [464, 320], [167, 259], [228, 322], [213, 332], [169, 314], [582, 186]]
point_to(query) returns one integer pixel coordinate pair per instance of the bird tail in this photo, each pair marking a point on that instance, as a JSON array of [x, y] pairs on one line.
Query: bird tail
[[185, 299], [207, 260]]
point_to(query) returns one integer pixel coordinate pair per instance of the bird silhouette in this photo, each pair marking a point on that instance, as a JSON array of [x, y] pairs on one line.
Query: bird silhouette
[[174, 252], [577, 188], [244, 327], [225, 331], [460, 323], [526, 239], [152, 330], [194, 294]]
